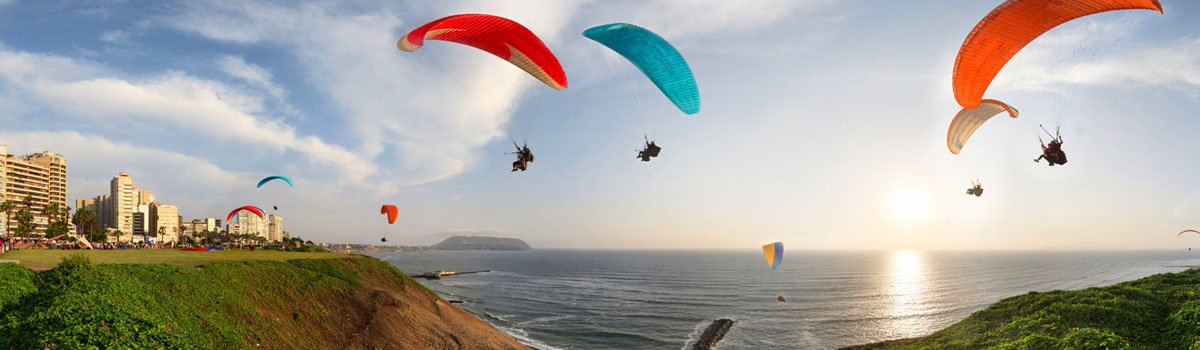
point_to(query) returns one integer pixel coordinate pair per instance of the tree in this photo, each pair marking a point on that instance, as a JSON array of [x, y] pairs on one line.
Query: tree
[[25, 224], [84, 221], [56, 219], [118, 233], [162, 231], [7, 206], [98, 235]]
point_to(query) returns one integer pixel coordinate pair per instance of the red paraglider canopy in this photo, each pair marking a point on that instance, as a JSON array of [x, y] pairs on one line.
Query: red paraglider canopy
[[251, 208], [496, 35], [391, 212]]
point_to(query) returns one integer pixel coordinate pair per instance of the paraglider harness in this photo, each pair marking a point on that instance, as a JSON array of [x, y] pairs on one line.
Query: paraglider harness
[[524, 157], [1052, 152], [649, 151], [976, 189]]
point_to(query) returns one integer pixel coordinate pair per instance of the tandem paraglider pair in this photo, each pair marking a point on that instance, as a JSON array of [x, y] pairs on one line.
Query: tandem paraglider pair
[[650, 150], [994, 41], [524, 157]]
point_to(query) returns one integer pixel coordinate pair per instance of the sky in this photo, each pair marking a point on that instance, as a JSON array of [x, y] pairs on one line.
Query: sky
[[822, 123]]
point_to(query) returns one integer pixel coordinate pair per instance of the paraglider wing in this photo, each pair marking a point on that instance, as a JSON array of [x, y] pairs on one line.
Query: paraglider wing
[[774, 253], [1185, 231], [655, 57], [390, 211], [496, 35], [267, 179], [251, 208], [969, 119], [1011, 26]]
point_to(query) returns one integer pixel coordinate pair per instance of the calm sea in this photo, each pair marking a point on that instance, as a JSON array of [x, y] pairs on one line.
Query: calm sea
[[602, 299]]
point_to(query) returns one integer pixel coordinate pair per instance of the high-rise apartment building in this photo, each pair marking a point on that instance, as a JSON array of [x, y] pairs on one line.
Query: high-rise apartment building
[[144, 197], [274, 228], [212, 225], [251, 224], [40, 176], [141, 220], [164, 222], [122, 203]]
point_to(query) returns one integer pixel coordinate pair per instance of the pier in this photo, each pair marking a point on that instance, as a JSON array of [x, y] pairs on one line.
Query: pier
[[441, 273]]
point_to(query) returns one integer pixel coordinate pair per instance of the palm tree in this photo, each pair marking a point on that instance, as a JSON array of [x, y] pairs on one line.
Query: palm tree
[[24, 223], [7, 206], [27, 202], [84, 220], [50, 211]]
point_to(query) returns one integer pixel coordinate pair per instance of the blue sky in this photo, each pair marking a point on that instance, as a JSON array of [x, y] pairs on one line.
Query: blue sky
[[822, 123]]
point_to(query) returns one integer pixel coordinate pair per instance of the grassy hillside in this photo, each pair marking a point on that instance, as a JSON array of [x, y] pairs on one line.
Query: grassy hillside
[[44, 258], [1156, 312], [352, 302]]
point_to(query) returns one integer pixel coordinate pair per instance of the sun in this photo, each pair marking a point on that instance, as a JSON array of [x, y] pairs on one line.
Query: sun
[[908, 204]]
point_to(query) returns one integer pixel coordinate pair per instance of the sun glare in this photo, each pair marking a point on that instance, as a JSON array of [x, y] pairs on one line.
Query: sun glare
[[909, 204]]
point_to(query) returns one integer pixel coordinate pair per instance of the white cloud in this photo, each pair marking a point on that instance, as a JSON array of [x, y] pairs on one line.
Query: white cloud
[[88, 91], [390, 99], [1102, 53], [237, 67], [114, 35], [439, 105]]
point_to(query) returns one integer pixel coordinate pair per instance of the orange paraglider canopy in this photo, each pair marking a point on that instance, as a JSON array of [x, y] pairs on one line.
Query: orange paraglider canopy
[[391, 212], [496, 35], [1010, 27], [1186, 231]]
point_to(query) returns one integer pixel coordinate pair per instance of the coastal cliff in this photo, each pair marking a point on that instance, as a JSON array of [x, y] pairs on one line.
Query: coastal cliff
[[345, 303], [1156, 312]]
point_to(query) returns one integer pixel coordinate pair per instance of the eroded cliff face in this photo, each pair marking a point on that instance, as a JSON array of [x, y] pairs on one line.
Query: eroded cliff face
[[391, 311], [352, 302], [395, 313]]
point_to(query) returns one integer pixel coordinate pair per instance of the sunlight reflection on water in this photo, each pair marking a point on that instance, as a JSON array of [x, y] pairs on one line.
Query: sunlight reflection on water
[[907, 293]]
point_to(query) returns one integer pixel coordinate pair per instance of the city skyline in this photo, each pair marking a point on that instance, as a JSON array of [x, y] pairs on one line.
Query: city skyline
[[823, 123]]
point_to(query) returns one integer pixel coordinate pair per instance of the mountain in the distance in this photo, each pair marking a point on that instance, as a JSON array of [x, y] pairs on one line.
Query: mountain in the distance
[[481, 243]]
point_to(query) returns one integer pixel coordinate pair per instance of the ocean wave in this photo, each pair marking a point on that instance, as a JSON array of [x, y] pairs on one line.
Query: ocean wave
[[523, 337]]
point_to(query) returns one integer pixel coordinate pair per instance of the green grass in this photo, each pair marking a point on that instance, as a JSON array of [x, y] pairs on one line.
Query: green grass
[[1156, 312], [45, 258], [263, 299]]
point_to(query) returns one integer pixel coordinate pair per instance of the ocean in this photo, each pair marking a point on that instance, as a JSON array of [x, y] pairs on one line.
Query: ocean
[[613, 299]]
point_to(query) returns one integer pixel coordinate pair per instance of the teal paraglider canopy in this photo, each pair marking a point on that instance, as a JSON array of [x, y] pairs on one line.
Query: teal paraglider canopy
[[267, 179], [655, 57]]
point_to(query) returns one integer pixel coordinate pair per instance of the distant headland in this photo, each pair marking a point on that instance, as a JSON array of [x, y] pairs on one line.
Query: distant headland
[[481, 243], [452, 243]]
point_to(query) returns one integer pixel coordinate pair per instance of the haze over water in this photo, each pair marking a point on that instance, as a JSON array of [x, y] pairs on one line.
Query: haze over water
[[604, 299]]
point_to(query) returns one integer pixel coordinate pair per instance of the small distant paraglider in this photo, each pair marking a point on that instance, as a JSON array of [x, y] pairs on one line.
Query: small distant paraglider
[[267, 179], [391, 211], [774, 254], [976, 189], [251, 208]]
